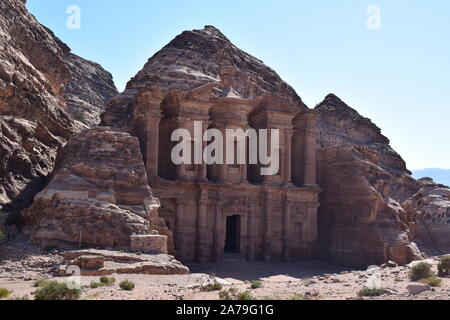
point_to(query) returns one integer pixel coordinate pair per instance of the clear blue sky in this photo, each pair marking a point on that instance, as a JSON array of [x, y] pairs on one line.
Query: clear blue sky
[[398, 76]]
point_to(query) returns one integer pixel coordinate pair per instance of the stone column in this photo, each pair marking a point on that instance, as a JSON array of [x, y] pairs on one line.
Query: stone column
[[267, 229], [203, 168], [152, 145], [286, 230], [223, 168], [181, 169], [310, 172], [218, 242], [287, 172], [251, 255], [202, 226], [179, 226]]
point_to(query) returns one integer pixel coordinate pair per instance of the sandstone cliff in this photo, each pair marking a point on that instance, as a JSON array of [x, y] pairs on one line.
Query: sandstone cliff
[[34, 119], [364, 179], [429, 213], [98, 195], [193, 59]]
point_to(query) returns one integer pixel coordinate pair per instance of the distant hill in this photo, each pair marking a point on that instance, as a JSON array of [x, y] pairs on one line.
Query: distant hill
[[439, 175]]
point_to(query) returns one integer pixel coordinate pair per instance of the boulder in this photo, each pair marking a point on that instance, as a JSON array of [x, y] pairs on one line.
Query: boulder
[[98, 195], [417, 288], [108, 262]]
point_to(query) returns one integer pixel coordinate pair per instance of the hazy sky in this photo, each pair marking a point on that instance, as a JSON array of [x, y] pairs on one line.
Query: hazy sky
[[397, 75]]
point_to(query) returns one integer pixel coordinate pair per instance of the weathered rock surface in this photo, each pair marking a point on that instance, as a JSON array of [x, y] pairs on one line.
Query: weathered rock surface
[[88, 91], [360, 218], [34, 119], [429, 213], [105, 263], [98, 195], [193, 59]]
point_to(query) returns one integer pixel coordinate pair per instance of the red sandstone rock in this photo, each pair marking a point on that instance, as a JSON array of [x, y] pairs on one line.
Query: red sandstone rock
[[34, 119], [360, 218], [98, 195], [429, 212]]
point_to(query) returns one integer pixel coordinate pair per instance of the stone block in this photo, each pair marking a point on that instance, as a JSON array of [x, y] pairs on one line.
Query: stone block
[[149, 243]]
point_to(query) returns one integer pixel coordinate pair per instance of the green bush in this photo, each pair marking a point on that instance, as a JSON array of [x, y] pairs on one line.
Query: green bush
[[4, 293], [256, 284], [367, 292], [420, 271], [244, 296], [297, 297], [55, 290], [127, 285], [432, 281], [444, 266], [214, 286], [232, 294], [40, 283], [95, 285], [229, 294], [107, 281]]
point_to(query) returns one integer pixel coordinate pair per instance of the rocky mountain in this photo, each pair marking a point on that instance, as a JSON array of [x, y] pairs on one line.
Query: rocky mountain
[[196, 58], [364, 181], [37, 74]]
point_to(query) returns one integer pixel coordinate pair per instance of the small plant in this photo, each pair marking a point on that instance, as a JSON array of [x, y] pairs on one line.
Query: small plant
[[256, 284], [420, 271], [244, 296], [1, 235], [297, 297], [127, 285], [95, 285], [214, 286], [55, 290], [432, 281], [4, 293], [232, 294], [374, 292], [228, 295], [40, 283], [444, 266], [107, 281]]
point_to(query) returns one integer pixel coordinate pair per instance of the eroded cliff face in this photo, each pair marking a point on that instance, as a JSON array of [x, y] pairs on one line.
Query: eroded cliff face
[[98, 195], [361, 220], [429, 212], [34, 118], [194, 59]]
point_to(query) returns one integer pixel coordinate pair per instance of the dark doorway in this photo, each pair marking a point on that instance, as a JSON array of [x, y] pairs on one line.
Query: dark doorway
[[232, 242]]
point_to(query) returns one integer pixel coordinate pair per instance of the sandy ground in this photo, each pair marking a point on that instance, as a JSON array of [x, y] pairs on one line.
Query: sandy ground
[[22, 263], [279, 282]]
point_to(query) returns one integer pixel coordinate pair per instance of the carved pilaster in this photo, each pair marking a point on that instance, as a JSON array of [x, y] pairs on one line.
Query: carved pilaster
[[287, 172], [310, 171], [218, 233], [286, 230], [202, 226], [267, 228]]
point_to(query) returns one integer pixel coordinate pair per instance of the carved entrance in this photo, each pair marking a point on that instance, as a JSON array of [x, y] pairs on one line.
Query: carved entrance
[[233, 235]]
